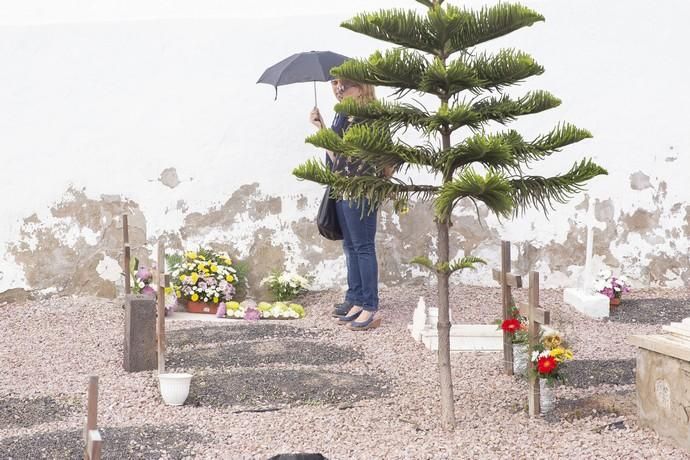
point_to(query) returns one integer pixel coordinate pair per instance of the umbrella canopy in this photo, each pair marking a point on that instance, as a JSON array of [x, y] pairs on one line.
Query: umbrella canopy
[[302, 67]]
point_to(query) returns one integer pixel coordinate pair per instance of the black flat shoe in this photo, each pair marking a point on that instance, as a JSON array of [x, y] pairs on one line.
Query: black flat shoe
[[341, 309]]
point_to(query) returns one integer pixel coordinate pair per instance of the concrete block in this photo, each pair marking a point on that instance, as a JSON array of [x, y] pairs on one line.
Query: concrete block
[[663, 395], [467, 337], [595, 305], [140, 334]]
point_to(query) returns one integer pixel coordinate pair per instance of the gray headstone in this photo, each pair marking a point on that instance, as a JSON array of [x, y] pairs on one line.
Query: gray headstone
[[140, 334]]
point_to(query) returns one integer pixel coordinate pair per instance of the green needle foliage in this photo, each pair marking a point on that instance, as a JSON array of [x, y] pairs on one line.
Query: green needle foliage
[[437, 54]]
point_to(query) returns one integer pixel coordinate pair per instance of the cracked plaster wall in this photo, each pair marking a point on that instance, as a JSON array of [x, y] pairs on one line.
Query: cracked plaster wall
[[161, 119]]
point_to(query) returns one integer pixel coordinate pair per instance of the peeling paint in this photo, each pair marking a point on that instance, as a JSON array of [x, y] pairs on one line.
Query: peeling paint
[[169, 178], [639, 181]]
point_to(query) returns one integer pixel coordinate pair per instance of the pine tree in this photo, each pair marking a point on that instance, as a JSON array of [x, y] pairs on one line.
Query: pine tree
[[437, 54]]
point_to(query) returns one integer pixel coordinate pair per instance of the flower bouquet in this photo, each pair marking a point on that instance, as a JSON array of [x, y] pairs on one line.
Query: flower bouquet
[[611, 286], [549, 355], [264, 310], [286, 285], [141, 278], [516, 326], [204, 278]]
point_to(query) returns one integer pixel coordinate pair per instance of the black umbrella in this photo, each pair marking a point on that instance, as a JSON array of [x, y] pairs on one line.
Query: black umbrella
[[302, 67]]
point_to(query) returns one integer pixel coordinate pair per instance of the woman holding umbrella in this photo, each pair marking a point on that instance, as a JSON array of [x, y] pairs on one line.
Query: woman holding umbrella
[[359, 228]]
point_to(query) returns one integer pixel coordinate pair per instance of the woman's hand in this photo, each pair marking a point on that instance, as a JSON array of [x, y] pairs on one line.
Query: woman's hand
[[315, 118]]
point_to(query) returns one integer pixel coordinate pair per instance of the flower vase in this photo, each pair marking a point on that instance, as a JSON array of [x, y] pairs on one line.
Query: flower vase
[[615, 301], [520, 360], [547, 396], [202, 307]]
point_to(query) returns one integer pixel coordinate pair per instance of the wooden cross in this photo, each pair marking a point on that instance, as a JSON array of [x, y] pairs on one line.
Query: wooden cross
[[536, 317], [508, 281], [92, 436], [127, 253], [163, 282]]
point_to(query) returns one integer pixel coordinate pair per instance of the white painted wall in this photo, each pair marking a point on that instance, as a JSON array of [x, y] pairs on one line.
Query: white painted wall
[[103, 96]]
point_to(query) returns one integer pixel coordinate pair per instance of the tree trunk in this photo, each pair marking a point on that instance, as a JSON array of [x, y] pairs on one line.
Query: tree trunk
[[443, 326]]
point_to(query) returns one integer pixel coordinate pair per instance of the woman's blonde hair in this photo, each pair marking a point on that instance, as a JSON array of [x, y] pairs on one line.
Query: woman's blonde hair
[[368, 91]]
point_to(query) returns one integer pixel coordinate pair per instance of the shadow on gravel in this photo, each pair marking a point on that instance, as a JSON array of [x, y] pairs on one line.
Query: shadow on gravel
[[140, 442], [611, 404], [268, 388], [17, 412], [583, 373], [650, 311], [253, 354], [244, 332]]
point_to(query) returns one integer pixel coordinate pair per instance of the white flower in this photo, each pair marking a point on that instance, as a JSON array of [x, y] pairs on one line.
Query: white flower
[[535, 355], [544, 354]]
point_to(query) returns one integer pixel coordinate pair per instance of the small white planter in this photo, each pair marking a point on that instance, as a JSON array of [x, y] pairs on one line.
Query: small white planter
[[174, 388], [547, 394], [520, 360]]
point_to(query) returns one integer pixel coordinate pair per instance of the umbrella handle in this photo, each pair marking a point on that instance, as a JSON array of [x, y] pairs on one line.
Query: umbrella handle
[[316, 104]]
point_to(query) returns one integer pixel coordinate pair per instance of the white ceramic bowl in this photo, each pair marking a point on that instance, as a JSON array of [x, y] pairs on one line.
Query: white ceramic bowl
[[174, 388]]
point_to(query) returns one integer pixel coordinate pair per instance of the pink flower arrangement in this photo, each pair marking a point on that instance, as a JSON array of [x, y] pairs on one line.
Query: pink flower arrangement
[[611, 286]]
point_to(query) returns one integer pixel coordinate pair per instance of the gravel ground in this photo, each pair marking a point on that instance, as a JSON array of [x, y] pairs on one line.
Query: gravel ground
[[311, 386]]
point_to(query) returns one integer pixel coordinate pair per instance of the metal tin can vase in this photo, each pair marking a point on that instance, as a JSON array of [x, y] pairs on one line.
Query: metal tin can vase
[[615, 301], [520, 360], [202, 307], [547, 395]]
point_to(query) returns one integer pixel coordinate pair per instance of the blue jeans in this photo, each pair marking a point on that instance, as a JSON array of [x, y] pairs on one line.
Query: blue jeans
[[359, 235]]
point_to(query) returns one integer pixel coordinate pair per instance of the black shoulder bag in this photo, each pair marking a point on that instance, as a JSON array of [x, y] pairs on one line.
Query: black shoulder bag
[[327, 219]]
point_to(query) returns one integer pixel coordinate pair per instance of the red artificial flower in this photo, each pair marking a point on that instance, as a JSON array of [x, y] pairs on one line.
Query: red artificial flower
[[546, 364], [511, 325]]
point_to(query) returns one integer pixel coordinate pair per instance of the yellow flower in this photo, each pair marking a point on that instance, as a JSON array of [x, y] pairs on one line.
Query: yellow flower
[[229, 278], [216, 300], [183, 277], [178, 293], [552, 340], [168, 290], [202, 257], [227, 260], [191, 255], [195, 297], [195, 278], [214, 268], [201, 266], [561, 354]]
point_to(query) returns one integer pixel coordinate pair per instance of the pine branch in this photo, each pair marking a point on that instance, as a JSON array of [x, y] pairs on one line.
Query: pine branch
[[543, 146], [506, 68], [504, 109], [327, 139], [489, 23], [376, 190], [391, 115], [404, 28], [464, 263], [397, 68], [455, 265], [423, 261], [544, 192], [492, 151], [492, 189], [375, 146], [314, 171]]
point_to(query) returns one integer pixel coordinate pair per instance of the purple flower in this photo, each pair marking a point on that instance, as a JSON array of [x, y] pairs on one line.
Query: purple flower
[[144, 274], [252, 314], [202, 286], [149, 291]]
